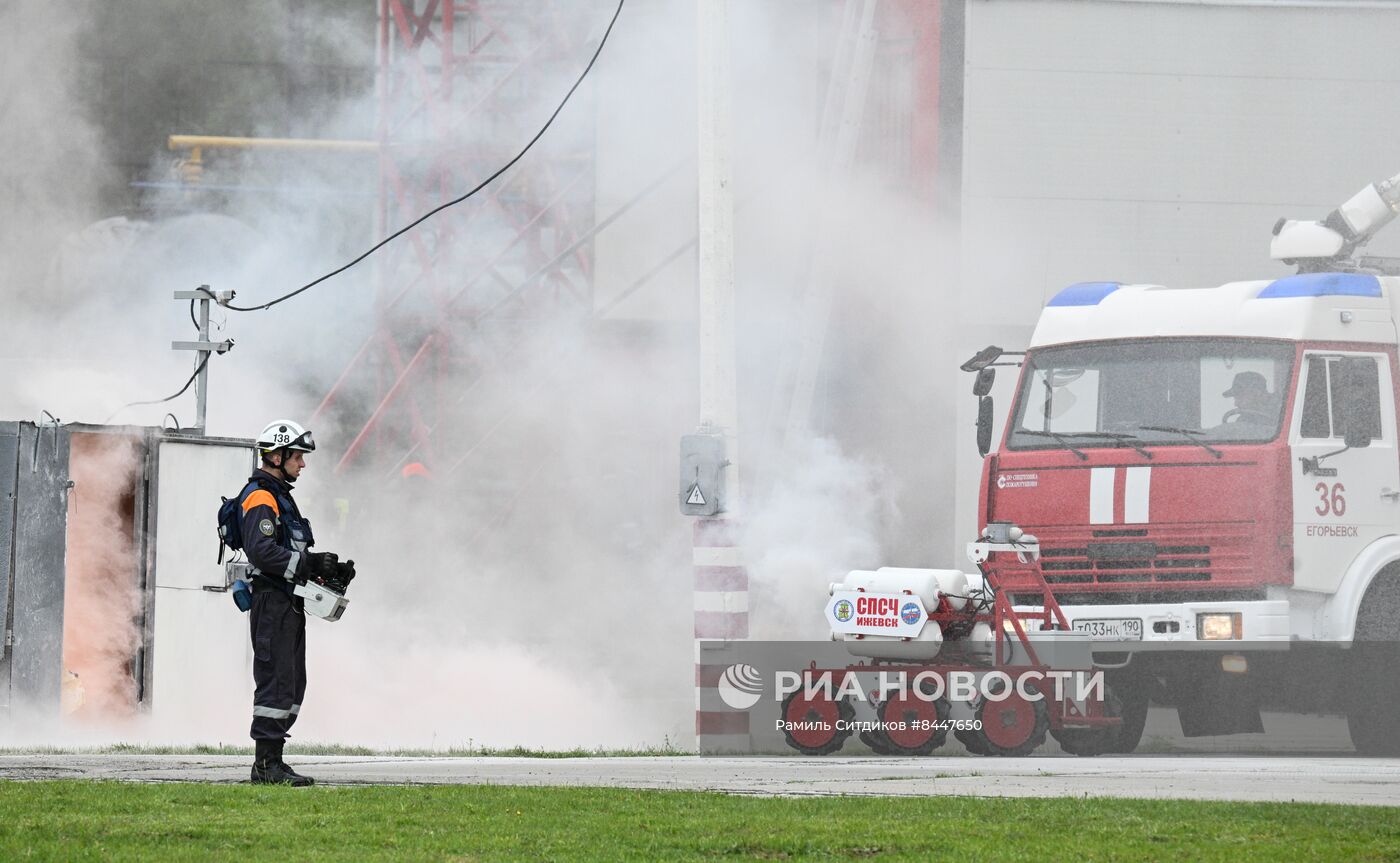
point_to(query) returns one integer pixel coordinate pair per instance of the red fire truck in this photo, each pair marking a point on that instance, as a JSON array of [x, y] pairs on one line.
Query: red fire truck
[[1213, 476]]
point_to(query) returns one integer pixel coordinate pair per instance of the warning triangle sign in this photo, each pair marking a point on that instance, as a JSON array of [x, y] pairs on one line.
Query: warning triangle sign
[[695, 498]]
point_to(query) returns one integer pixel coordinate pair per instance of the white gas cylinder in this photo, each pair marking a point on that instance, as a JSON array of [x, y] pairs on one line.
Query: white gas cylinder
[[927, 584], [922, 648]]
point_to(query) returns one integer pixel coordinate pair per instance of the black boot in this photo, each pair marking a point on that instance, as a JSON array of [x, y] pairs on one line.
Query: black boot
[[268, 768], [287, 768]]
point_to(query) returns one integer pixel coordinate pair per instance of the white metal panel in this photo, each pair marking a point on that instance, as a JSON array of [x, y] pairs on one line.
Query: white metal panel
[[192, 478], [202, 665]]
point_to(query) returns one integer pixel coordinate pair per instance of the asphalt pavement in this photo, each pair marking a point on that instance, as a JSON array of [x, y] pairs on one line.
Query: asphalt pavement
[[1317, 779]]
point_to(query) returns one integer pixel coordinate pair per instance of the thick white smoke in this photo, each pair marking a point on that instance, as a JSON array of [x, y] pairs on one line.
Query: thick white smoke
[[536, 589]]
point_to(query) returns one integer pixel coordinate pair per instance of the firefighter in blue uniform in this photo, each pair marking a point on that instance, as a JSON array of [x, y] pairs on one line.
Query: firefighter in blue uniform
[[277, 540]]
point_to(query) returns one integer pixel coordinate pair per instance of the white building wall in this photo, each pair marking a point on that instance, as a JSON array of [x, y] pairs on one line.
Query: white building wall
[[1159, 142]]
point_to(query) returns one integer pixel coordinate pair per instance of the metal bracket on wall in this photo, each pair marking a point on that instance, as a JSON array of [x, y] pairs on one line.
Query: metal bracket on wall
[[53, 423]]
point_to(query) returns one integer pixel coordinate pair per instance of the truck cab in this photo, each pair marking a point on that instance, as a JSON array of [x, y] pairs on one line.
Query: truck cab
[[1212, 466], [1214, 481]]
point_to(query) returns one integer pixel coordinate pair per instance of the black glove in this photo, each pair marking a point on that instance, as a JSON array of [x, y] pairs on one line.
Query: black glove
[[320, 566], [345, 573]]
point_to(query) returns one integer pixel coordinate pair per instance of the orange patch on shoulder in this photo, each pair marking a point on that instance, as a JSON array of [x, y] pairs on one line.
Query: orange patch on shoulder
[[261, 497]]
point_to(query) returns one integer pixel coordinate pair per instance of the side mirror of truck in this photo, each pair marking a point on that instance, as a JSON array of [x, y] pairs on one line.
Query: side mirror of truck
[[983, 384], [1357, 437], [1360, 401], [984, 425], [982, 359]]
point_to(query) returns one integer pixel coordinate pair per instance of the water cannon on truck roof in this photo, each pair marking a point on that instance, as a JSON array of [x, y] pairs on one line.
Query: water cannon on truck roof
[[1329, 245]]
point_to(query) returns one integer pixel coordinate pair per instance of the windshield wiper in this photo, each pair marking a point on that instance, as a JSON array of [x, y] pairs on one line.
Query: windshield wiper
[[1123, 439], [1189, 434], [1131, 440], [1061, 439]]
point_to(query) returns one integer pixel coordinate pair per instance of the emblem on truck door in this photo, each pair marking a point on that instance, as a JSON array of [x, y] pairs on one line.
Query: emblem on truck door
[[1313, 467]]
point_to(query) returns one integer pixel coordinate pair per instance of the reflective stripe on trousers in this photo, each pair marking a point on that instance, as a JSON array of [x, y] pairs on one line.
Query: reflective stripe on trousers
[[275, 713]]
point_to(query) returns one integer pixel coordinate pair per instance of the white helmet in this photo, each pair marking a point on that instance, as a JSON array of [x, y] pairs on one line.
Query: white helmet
[[285, 434]]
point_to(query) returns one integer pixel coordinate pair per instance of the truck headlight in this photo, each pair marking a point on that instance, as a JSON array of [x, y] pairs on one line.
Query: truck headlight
[[1219, 626]]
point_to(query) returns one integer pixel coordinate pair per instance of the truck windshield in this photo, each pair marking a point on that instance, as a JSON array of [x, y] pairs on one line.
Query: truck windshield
[[1178, 392]]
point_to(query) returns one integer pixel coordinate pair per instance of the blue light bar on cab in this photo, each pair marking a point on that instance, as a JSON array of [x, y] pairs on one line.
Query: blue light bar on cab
[[1084, 294], [1324, 285]]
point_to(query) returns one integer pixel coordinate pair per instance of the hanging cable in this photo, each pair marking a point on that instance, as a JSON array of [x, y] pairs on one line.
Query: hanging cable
[[401, 231], [455, 201], [202, 363]]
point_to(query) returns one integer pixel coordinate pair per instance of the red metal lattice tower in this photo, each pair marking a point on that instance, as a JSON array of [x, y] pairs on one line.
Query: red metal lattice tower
[[462, 84]]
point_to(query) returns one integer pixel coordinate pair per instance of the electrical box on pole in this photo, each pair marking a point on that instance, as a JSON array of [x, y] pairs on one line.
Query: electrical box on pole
[[702, 474]]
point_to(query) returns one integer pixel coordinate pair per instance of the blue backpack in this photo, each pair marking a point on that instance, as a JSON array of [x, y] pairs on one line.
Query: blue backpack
[[231, 537], [231, 519]]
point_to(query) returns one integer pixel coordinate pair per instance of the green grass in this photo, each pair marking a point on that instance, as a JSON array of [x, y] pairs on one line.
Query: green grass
[[342, 749], [114, 821]]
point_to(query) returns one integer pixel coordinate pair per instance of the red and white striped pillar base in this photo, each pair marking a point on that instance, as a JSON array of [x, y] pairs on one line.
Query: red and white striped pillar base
[[721, 615], [721, 581]]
